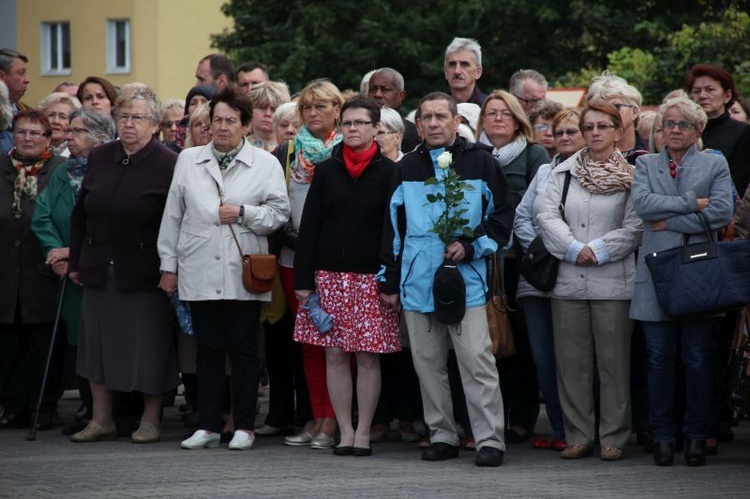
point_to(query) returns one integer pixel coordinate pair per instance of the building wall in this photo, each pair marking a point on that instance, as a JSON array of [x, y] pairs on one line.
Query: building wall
[[168, 37]]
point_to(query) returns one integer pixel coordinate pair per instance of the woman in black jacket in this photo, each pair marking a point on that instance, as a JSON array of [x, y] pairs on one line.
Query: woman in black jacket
[[338, 256]]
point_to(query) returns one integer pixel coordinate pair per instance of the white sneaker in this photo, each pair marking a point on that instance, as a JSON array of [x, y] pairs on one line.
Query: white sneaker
[[242, 440], [201, 439]]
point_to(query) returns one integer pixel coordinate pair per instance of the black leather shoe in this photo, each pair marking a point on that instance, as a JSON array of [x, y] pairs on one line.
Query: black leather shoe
[[695, 452], [344, 450], [489, 456], [646, 439], [361, 451], [440, 451], [663, 454], [12, 421]]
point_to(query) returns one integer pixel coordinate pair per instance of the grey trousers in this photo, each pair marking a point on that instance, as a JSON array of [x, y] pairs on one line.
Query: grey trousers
[[585, 330], [430, 342]]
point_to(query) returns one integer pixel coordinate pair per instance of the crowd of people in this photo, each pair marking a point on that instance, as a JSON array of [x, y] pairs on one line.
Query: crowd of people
[[130, 214]]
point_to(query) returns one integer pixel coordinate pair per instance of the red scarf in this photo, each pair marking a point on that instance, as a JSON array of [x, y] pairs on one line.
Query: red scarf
[[356, 162]]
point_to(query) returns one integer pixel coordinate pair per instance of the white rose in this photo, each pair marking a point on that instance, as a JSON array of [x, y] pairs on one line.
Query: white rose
[[445, 160]]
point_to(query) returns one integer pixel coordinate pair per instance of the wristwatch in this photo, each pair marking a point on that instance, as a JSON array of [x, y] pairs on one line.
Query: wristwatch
[[242, 214]]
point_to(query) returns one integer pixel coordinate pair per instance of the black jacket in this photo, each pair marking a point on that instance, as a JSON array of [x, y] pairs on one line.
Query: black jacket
[[342, 222], [118, 213], [732, 138]]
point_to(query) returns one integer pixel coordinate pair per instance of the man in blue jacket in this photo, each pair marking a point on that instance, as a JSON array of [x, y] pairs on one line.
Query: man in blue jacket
[[411, 255]]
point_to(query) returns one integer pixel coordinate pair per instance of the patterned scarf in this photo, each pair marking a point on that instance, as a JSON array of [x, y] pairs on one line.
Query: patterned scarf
[[310, 150], [225, 159], [612, 175], [76, 169], [26, 183]]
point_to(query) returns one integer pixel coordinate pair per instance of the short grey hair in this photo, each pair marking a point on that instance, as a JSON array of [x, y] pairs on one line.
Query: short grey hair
[[468, 44], [398, 78], [690, 109], [286, 111], [101, 126], [364, 84], [6, 108], [134, 92], [7, 56], [609, 86], [520, 76], [174, 105], [59, 98], [392, 120]]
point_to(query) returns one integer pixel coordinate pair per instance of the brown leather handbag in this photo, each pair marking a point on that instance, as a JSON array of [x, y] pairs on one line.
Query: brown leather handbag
[[501, 334]]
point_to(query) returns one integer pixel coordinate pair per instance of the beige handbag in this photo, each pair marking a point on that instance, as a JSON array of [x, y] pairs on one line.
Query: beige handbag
[[501, 335]]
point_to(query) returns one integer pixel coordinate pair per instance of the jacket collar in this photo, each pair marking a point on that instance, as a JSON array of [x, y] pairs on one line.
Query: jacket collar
[[137, 158], [245, 158]]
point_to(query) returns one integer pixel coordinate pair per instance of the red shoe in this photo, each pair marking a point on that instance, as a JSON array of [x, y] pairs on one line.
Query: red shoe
[[558, 444], [542, 443]]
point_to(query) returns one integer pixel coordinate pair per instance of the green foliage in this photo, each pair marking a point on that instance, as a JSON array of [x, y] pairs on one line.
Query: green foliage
[[451, 222], [305, 39]]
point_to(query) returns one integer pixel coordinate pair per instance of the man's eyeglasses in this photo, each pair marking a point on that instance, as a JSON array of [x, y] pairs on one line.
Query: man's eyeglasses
[[542, 127], [76, 131], [137, 119], [528, 102]]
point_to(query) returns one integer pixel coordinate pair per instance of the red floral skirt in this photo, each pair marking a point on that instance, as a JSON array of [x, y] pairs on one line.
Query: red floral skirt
[[362, 322]]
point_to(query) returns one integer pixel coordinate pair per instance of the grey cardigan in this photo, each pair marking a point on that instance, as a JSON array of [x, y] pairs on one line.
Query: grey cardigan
[[607, 223], [657, 196]]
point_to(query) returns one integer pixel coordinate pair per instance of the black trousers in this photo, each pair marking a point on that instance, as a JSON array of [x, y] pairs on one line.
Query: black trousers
[[226, 327], [400, 397], [288, 401], [23, 355]]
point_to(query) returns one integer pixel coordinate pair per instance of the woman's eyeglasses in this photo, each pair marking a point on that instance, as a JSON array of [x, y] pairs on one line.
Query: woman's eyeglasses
[[602, 127], [570, 132]]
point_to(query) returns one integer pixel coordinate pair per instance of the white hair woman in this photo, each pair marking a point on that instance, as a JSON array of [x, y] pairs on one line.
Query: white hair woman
[[390, 133], [57, 107]]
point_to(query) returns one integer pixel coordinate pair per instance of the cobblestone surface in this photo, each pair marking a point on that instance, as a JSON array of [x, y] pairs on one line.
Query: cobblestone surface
[[52, 466]]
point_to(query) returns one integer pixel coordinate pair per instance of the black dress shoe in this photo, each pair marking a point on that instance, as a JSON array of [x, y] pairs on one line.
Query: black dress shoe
[[489, 456], [695, 452], [440, 451], [361, 451], [646, 439], [663, 454], [344, 450], [12, 421]]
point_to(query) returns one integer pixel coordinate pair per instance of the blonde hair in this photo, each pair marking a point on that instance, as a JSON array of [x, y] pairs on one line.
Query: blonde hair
[[524, 127], [268, 94], [200, 113], [320, 90]]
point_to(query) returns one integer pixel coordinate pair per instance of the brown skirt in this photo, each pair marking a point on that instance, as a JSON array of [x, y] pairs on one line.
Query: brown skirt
[[127, 341]]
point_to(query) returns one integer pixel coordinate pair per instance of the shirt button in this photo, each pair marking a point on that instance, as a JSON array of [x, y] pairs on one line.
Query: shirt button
[[18, 216], [18, 243], [583, 225], [218, 291], [217, 257], [582, 276], [217, 224]]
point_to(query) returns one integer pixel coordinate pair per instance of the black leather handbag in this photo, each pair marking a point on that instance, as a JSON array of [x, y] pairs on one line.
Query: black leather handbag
[[538, 266], [702, 278]]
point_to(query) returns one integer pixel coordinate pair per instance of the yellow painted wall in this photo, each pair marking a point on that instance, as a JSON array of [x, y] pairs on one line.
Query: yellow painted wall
[[168, 37]]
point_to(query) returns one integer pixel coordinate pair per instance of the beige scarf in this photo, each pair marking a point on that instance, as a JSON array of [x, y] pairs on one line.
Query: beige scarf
[[25, 183], [612, 175]]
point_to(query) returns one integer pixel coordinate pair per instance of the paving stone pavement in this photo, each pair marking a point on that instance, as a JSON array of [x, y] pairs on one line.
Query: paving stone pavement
[[53, 467]]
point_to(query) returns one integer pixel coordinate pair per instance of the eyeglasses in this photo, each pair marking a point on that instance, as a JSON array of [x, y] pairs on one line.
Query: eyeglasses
[[383, 132], [76, 131], [620, 105], [355, 123], [137, 119], [169, 124], [504, 114], [528, 102], [34, 134], [589, 127], [570, 132], [682, 125], [542, 127]]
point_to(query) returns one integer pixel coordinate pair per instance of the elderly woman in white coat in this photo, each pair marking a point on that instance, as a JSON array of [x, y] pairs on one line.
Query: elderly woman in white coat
[[594, 238], [227, 185], [669, 190]]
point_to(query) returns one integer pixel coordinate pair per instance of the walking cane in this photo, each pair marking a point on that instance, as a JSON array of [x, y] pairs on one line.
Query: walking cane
[[32, 432]]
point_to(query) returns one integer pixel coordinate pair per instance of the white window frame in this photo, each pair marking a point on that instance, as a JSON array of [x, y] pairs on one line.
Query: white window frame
[[46, 49], [112, 65]]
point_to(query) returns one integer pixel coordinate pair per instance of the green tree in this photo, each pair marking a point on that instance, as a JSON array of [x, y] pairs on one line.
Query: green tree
[[305, 39]]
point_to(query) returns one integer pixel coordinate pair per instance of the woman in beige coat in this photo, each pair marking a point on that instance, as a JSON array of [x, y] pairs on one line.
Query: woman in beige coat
[[225, 184], [594, 238]]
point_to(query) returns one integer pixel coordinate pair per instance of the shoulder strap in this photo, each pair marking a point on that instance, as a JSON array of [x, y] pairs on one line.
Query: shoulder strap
[[236, 241], [566, 186]]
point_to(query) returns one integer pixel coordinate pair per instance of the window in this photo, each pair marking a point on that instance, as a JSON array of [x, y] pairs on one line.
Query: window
[[118, 46], [55, 48]]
